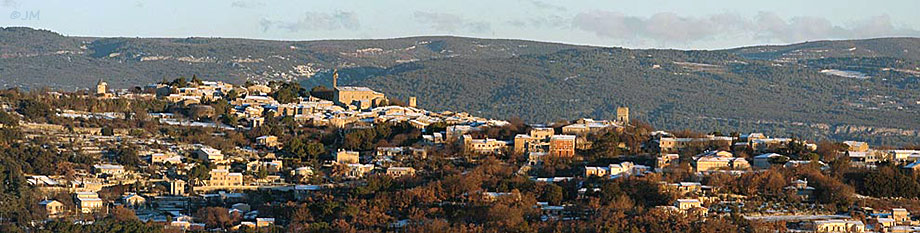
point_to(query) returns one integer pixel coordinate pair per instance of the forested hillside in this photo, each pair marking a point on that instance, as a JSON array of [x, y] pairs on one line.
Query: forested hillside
[[864, 89]]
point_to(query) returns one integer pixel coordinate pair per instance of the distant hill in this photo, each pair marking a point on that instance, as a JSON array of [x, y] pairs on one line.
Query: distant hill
[[859, 89], [905, 48], [35, 58]]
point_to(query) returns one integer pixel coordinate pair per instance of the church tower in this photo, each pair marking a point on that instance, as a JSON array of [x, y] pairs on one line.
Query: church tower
[[335, 79], [413, 102], [101, 87], [623, 115]]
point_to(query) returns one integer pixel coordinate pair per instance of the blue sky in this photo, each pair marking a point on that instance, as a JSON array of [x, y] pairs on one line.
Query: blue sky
[[684, 24]]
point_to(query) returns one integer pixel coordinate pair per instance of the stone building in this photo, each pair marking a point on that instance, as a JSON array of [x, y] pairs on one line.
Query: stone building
[[839, 225], [562, 145], [53, 208], [400, 171], [623, 115], [177, 188], [88, 202], [534, 141], [101, 88], [718, 160], [359, 97], [267, 141], [484, 146], [347, 157], [225, 178]]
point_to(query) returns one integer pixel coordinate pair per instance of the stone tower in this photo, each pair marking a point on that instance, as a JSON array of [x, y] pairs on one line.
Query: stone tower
[[335, 79], [101, 87], [623, 115], [413, 102]]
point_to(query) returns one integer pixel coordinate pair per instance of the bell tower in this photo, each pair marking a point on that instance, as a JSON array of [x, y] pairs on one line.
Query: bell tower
[[623, 115], [413, 102], [335, 79]]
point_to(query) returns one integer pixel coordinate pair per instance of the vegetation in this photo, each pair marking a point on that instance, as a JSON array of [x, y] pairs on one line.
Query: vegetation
[[701, 90], [459, 191]]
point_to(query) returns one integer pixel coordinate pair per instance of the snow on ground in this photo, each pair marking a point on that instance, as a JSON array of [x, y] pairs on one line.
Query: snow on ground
[[776, 218], [846, 73]]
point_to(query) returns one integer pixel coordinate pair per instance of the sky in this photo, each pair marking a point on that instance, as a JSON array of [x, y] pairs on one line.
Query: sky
[[679, 24]]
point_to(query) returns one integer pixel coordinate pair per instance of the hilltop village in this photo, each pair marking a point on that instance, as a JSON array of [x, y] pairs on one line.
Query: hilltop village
[[195, 155]]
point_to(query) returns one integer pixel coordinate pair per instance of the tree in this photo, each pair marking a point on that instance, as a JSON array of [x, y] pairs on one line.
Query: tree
[[232, 94], [828, 190], [35, 110], [553, 194], [606, 145], [216, 217], [126, 155], [305, 148], [229, 119], [195, 80], [503, 216], [200, 172], [179, 83], [322, 92], [107, 131], [888, 182], [199, 112], [829, 151], [122, 214], [809, 157], [262, 173], [288, 92], [8, 119], [778, 159], [375, 183]]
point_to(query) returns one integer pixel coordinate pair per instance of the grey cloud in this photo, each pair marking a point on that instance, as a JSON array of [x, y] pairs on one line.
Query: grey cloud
[[545, 6], [518, 23], [672, 28], [607, 24], [9, 4], [665, 26], [881, 26], [312, 21], [247, 4], [551, 21], [771, 26], [451, 23]]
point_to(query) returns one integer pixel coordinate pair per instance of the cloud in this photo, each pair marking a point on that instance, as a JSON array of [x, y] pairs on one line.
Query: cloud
[[9, 4], [247, 4], [312, 21], [550, 21], [446, 22], [663, 27], [771, 26], [881, 26], [545, 6], [670, 28]]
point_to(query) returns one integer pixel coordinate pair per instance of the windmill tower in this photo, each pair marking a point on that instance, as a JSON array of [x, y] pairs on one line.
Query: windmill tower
[[101, 87]]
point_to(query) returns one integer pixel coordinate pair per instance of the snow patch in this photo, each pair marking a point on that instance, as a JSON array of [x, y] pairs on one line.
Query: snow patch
[[846, 73]]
